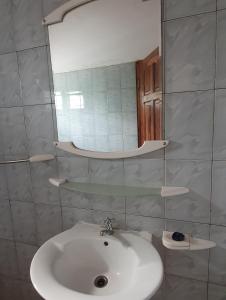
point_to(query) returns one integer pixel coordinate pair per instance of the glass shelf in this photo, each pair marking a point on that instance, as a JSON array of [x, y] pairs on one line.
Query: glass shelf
[[82, 185]]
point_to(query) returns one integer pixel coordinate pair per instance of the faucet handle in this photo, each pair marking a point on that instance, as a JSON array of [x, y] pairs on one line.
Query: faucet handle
[[108, 220]]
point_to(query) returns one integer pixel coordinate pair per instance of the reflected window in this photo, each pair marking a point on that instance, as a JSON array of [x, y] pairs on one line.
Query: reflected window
[[76, 100], [58, 101]]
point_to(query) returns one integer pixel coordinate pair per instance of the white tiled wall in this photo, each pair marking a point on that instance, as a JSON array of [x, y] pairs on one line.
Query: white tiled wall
[[31, 210]]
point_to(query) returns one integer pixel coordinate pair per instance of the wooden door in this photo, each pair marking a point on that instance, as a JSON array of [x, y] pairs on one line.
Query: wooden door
[[149, 98]]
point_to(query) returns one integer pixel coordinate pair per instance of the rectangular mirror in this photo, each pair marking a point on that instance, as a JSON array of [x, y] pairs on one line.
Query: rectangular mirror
[[106, 61]]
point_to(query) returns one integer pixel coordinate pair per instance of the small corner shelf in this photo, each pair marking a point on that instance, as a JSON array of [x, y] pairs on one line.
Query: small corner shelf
[[32, 159], [189, 242], [81, 185], [147, 147]]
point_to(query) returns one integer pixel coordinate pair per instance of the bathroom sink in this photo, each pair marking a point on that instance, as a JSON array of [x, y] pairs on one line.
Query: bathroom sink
[[81, 264]]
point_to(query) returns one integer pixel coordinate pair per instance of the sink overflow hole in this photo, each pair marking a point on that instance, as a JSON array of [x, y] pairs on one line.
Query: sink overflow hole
[[105, 243], [100, 281]]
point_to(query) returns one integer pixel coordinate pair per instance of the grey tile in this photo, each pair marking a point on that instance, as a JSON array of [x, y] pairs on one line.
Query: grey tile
[[25, 254], [218, 205], [6, 229], [50, 5], [113, 77], [219, 123], [50, 72], [217, 265], [2, 150], [99, 79], [75, 199], [189, 125], [13, 132], [85, 80], [221, 4], [152, 225], [99, 102], [8, 262], [28, 292], [6, 25], [216, 292], [107, 203], [39, 128], [3, 185], [186, 289], [188, 264], [24, 221], [62, 80], [128, 75], [67, 81], [144, 172], [92, 201], [19, 182], [116, 142], [73, 215], [55, 131], [42, 190], [10, 288], [190, 53], [105, 171], [180, 8], [102, 142], [129, 120], [101, 125], [129, 100], [72, 167], [159, 295], [28, 29], [152, 206], [195, 175], [221, 50], [114, 101], [115, 124], [49, 221], [33, 67], [9, 81], [88, 100]]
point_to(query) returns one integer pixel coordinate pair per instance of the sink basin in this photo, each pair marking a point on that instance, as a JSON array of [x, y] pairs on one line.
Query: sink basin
[[81, 264]]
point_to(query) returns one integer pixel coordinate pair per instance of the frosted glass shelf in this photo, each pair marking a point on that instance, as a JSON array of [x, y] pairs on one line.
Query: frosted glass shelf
[[83, 186]]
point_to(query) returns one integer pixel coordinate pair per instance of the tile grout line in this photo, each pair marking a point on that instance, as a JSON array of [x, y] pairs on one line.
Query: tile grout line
[[213, 138], [190, 16]]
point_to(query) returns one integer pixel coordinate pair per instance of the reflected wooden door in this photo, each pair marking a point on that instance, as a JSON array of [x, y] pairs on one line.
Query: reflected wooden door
[[149, 98]]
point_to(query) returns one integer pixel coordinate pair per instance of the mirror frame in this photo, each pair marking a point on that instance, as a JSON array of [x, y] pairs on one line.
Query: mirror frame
[[57, 16]]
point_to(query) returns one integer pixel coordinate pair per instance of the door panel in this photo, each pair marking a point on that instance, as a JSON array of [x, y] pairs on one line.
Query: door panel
[[149, 98]]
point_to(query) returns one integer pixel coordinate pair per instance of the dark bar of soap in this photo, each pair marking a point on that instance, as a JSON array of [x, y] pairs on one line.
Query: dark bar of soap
[[178, 236]]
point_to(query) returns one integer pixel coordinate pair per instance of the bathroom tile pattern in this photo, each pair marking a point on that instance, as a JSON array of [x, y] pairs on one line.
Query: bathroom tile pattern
[[31, 210], [108, 114], [181, 8], [221, 4], [190, 53]]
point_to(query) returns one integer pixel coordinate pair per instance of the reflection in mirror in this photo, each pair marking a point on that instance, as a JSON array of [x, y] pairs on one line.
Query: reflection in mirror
[[106, 61]]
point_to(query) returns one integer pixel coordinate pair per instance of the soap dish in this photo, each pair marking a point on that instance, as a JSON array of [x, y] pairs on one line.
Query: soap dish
[[189, 243]]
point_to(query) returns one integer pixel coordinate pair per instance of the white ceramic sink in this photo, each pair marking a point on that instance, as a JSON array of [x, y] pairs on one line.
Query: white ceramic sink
[[68, 266]]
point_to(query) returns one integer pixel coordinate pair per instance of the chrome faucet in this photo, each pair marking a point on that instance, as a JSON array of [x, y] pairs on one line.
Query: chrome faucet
[[108, 228]]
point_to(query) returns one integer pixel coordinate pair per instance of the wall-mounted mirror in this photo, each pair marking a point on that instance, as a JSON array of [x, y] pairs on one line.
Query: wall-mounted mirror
[[106, 61]]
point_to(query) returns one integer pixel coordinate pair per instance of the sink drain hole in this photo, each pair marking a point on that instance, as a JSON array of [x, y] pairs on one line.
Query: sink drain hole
[[100, 281]]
